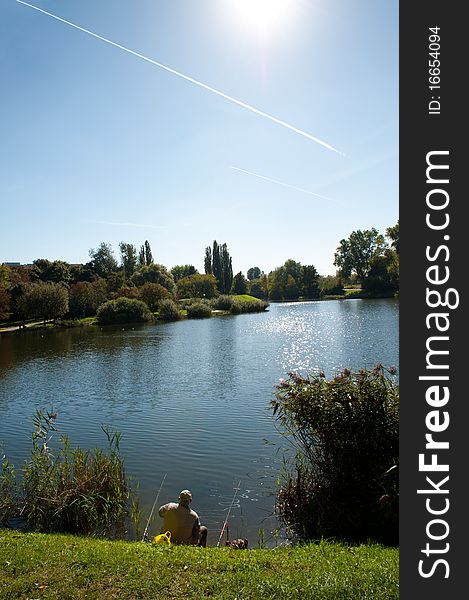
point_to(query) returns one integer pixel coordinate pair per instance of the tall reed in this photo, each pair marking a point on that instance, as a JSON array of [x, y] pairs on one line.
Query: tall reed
[[70, 489]]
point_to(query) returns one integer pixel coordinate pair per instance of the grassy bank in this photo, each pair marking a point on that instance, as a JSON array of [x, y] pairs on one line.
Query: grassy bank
[[245, 298], [56, 566]]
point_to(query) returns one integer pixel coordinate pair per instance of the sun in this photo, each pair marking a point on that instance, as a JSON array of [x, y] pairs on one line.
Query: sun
[[262, 16]]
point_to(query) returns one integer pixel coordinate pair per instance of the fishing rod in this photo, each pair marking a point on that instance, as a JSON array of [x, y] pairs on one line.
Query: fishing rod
[[145, 537], [228, 514]]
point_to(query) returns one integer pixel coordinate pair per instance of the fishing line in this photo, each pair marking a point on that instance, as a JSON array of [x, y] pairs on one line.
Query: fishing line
[[144, 538], [228, 514]]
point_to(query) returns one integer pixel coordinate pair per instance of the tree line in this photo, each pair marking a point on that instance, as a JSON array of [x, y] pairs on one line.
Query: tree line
[[56, 289]]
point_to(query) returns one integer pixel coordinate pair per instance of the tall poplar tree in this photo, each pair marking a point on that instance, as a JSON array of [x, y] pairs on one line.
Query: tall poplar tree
[[128, 258], [226, 270], [208, 261], [141, 256], [216, 263], [148, 254]]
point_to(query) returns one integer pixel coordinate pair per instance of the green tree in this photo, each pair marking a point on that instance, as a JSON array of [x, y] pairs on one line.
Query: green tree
[[128, 258], [382, 277], [115, 281], [4, 303], [240, 284], [141, 256], [152, 294], [125, 291], [21, 274], [393, 234], [277, 280], [45, 301], [17, 293], [291, 290], [226, 270], [154, 273], [82, 273], [102, 261], [148, 254], [197, 286], [254, 273], [293, 268], [5, 273], [216, 264], [285, 282], [355, 254], [392, 255], [86, 297], [259, 288], [56, 271], [221, 265], [180, 271], [208, 261], [309, 282]]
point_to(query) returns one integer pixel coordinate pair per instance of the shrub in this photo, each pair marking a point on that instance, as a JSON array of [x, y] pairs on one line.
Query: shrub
[[152, 294], [72, 490], [346, 430], [199, 310], [248, 306], [123, 310], [223, 302], [169, 310]]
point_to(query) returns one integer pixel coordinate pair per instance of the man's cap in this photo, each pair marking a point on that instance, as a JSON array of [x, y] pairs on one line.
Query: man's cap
[[185, 497]]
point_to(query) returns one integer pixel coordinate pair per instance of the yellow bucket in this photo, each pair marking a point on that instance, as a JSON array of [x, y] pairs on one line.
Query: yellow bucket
[[163, 538]]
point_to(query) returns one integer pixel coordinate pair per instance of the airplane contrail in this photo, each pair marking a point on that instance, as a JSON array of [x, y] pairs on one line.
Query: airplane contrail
[[187, 78], [293, 187]]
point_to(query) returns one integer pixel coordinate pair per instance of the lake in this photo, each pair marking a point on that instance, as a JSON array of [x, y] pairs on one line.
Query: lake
[[191, 398]]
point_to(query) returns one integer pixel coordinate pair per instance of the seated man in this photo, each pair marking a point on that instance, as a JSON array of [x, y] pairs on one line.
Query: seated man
[[182, 522]]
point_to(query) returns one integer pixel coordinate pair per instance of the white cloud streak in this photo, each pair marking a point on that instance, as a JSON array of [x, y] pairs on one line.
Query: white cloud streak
[[293, 187], [189, 79]]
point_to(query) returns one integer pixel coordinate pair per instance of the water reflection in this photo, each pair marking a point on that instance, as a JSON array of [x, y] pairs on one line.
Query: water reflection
[[191, 398]]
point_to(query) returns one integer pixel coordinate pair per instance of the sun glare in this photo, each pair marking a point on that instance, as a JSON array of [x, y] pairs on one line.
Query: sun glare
[[262, 15]]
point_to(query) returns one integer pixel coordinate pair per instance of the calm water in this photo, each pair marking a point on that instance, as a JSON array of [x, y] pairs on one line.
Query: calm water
[[191, 398]]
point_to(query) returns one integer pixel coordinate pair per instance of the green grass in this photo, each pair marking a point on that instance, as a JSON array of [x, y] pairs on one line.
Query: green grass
[[246, 298], [49, 324], [7, 323], [90, 320], [352, 293], [56, 566]]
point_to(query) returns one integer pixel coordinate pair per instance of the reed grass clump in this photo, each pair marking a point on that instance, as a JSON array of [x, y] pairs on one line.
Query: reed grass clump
[[343, 482], [199, 310], [248, 306], [223, 302], [69, 490]]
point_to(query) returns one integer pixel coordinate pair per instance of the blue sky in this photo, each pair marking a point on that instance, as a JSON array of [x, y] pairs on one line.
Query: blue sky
[[99, 145]]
